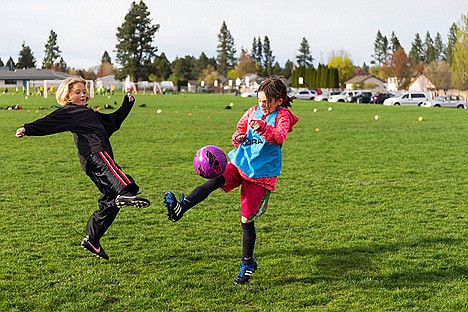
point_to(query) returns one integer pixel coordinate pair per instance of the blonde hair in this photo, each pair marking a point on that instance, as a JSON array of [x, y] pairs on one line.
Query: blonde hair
[[63, 94]]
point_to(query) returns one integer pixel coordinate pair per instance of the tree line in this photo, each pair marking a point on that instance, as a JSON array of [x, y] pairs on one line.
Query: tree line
[[445, 64], [137, 56]]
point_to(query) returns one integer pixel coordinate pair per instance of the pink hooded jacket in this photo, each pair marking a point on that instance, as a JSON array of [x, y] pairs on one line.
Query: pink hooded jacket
[[284, 122]]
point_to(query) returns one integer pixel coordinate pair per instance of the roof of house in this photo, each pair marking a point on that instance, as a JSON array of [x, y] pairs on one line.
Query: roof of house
[[361, 79], [32, 74]]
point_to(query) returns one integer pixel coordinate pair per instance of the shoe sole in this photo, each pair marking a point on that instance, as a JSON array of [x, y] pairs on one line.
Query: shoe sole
[[133, 203]]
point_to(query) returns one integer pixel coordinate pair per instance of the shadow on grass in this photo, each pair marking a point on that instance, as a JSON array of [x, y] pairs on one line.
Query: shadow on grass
[[390, 266]]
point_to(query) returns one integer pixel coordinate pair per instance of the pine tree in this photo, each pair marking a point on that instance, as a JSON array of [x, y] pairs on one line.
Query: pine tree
[[135, 50], [52, 51], [288, 69], [26, 58], [417, 51], [106, 58], [1, 63], [460, 56], [10, 64], [304, 58], [395, 42], [162, 68], [380, 48], [61, 65], [268, 58], [226, 50], [439, 47], [430, 53], [451, 40]]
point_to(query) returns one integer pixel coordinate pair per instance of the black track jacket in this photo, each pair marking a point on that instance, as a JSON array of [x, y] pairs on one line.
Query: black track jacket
[[91, 129]]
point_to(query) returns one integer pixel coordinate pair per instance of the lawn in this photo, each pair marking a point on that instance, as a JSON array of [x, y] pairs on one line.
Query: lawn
[[368, 215]]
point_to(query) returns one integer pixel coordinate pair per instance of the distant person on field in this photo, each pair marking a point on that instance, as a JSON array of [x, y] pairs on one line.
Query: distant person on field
[[91, 131], [254, 165]]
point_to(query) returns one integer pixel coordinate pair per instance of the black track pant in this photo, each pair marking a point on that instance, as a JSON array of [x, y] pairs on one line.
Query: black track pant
[[111, 181]]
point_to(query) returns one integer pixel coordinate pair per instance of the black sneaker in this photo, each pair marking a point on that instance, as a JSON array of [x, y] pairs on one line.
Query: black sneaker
[[175, 209], [131, 200], [95, 248], [245, 272]]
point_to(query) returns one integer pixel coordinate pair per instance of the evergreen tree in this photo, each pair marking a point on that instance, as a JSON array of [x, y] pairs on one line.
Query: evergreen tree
[[61, 65], [417, 51], [135, 50], [226, 50], [106, 58], [161, 68], [10, 64], [451, 40], [257, 50], [277, 70], [304, 58], [26, 58], [460, 56], [184, 68], [52, 51], [395, 42], [1, 63], [288, 69], [439, 47], [380, 48], [430, 53], [268, 58]]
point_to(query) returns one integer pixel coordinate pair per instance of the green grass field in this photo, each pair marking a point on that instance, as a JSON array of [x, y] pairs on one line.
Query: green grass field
[[368, 215]]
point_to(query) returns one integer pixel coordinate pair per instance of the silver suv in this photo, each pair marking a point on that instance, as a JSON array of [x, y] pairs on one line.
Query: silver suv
[[408, 99]]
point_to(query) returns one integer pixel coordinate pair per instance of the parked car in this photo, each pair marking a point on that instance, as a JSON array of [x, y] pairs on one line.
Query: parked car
[[380, 98], [249, 93], [408, 99], [341, 97], [454, 101], [305, 94], [361, 97], [325, 95]]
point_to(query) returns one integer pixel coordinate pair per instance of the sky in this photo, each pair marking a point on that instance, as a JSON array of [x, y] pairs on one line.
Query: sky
[[87, 28]]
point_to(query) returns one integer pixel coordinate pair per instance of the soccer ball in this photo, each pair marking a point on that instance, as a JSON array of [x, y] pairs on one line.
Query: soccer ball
[[210, 162]]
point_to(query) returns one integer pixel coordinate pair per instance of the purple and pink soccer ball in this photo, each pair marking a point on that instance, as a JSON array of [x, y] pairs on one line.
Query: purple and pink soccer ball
[[210, 162]]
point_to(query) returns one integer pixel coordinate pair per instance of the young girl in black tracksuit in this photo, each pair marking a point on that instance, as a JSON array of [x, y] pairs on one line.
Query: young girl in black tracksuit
[[91, 131]]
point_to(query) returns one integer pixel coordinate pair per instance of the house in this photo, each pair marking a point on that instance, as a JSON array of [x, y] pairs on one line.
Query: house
[[369, 82], [19, 78], [421, 83]]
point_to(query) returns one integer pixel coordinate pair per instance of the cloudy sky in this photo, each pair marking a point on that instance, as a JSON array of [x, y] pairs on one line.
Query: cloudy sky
[[87, 28]]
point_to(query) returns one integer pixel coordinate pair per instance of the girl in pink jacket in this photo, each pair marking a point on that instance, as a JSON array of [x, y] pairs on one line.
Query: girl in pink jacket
[[254, 165]]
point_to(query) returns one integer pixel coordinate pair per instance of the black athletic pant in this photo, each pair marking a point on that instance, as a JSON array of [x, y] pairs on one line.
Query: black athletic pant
[[111, 181]]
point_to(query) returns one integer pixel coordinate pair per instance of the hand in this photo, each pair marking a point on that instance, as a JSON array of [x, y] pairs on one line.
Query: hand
[[240, 138], [130, 97], [256, 125], [20, 132]]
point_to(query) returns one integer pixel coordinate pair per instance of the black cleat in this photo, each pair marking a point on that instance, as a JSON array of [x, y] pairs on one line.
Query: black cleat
[[131, 200], [95, 248], [245, 272], [175, 209]]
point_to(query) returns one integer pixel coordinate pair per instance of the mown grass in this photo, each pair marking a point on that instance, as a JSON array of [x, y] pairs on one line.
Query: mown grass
[[368, 215]]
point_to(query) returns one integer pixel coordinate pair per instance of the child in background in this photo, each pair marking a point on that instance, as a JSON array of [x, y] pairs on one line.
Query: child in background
[[254, 165], [91, 132]]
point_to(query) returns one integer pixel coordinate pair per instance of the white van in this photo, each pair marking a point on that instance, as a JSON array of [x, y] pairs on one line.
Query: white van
[[342, 96], [408, 99]]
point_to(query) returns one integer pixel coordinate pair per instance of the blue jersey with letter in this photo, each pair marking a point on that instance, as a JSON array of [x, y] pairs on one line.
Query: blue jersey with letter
[[255, 156]]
